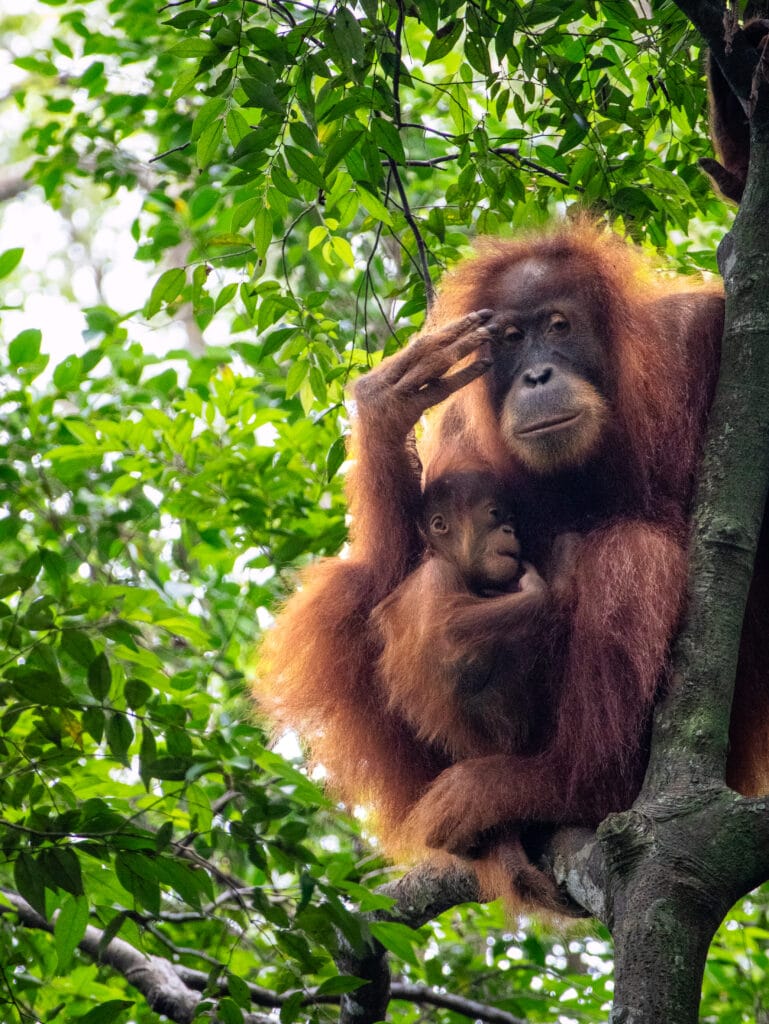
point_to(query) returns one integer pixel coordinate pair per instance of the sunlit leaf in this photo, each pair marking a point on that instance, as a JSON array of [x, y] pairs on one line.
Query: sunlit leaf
[[9, 260]]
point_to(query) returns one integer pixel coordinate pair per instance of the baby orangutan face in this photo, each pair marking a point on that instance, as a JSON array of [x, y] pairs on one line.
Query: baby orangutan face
[[479, 538]]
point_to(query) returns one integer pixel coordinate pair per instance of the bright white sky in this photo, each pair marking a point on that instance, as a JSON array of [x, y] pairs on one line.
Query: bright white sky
[[58, 271]]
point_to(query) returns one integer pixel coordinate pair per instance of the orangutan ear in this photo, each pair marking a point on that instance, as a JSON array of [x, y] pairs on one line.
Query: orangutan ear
[[438, 523]]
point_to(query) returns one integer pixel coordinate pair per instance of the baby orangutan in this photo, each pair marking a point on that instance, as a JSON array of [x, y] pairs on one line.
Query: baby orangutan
[[456, 661]]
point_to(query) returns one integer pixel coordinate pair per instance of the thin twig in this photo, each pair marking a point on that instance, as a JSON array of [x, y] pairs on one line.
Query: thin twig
[[398, 43], [421, 247], [184, 145], [502, 152]]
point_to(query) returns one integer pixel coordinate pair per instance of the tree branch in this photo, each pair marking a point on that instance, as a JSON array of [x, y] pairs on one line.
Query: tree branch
[[14, 181], [509, 154], [736, 59], [153, 976], [175, 990], [425, 892], [407, 992], [576, 860]]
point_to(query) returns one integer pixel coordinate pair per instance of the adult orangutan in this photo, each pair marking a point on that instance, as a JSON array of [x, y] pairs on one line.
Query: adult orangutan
[[564, 364]]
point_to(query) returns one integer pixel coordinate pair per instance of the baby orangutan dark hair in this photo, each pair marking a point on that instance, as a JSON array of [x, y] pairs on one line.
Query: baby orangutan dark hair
[[469, 521], [455, 662]]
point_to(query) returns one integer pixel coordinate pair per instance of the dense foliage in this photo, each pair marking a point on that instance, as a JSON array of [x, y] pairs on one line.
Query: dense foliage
[[303, 172]]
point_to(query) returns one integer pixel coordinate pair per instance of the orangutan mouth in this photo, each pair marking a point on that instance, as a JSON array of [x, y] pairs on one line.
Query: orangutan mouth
[[552, 424]]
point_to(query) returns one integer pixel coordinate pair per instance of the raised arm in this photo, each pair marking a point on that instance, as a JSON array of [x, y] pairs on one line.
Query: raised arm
[[384, 486]]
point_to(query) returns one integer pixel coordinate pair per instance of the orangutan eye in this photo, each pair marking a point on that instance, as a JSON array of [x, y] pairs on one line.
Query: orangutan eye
[[559, 323], [513, 334]]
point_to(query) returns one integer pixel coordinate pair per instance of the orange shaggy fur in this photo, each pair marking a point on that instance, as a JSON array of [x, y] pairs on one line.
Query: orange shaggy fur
[[384, 732]]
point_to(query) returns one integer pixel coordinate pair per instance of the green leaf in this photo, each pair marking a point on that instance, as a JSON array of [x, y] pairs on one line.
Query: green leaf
[[106, 1013], [13, 581], [342, 248], [25, 347], [93, 722], [386, 136], [68, 373], [239, 990], [341, 984], [136, 874], [262, 231], [226, 295], [348, 35], [69, 929], [304, 137], [61, 869], [237, 126], [228, 1011], [99, 677], [303, 166], [77, 644], [398, 938], [9, 260], [167, 288], [291, 1010], [340, 146], [36, 66], [317, 235], [193, 47], [283, 184], [444, 40], [119, 736], [207, 114], [169, 768], [29, 881], [185, 880], [209, 144], [39, 614], [182, 84], [296, 375], [137, 693], [261, 95], [374, 206], [82, 431]]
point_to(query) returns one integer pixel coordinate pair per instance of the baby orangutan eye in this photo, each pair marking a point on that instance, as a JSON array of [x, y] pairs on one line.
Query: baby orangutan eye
[[513, 334]]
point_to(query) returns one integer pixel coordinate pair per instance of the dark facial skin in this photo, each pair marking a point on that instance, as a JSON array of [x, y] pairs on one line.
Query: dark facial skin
[[548, 377], [481, 542]]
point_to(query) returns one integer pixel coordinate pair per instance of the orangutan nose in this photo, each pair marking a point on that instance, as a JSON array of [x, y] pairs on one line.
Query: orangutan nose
[[537, 375]]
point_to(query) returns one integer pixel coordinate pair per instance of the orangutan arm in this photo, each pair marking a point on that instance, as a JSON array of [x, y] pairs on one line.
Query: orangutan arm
[[626, 596], [384, 485]]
